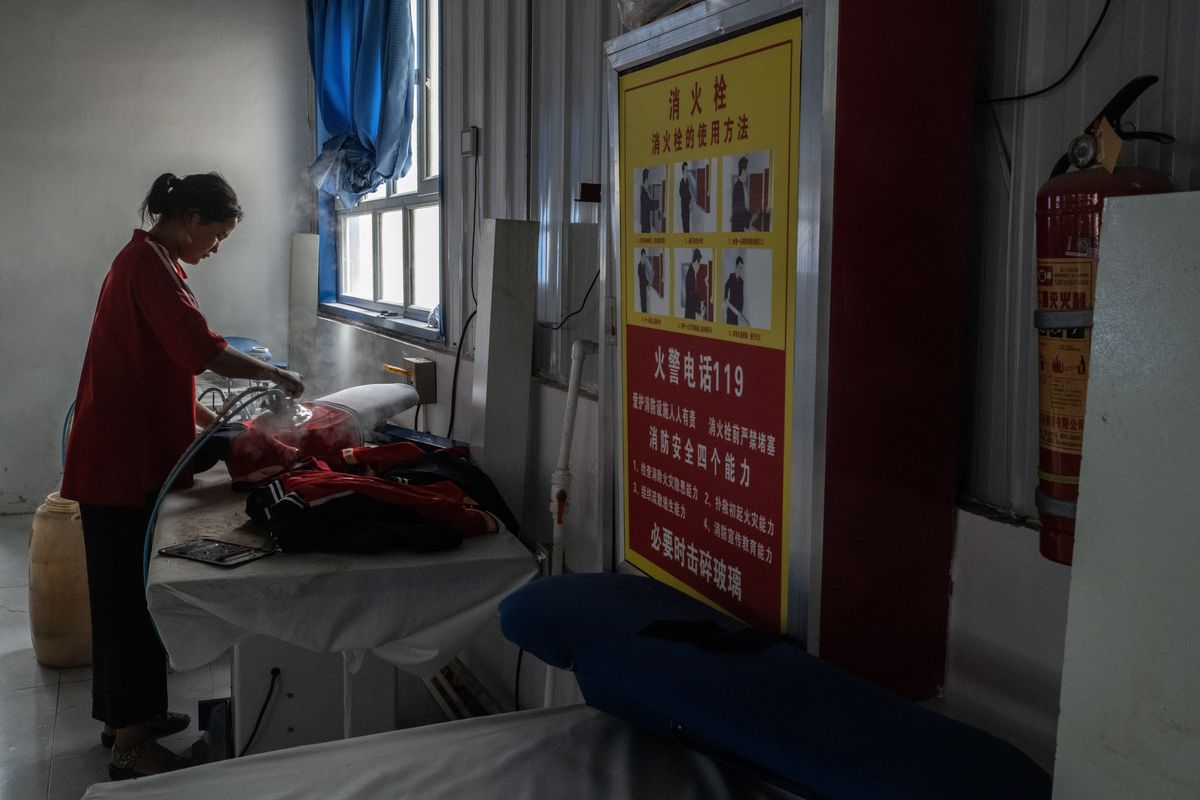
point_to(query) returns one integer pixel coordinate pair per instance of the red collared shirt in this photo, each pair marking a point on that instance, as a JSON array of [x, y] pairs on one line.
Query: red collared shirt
[[135, 409]]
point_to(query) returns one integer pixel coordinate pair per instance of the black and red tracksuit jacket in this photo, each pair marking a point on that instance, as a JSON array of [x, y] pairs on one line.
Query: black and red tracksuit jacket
[[313, 489], [380, 498]]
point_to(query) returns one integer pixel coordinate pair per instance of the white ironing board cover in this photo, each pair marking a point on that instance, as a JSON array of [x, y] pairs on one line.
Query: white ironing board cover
[[374, 403], [574, 752], [414, 610]]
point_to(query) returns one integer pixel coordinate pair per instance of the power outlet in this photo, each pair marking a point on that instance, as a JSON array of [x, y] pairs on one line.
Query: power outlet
[[468, 141], [423, 379]]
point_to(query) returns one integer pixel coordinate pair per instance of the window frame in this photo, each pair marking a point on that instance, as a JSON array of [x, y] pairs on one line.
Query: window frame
[[406, 318]]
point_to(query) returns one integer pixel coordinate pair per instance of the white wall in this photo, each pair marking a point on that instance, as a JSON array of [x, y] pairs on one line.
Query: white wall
[[1008, 615], [1130, 723], [96, 100]]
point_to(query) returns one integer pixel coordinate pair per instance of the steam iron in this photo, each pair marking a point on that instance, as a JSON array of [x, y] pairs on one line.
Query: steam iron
[[284, 413]]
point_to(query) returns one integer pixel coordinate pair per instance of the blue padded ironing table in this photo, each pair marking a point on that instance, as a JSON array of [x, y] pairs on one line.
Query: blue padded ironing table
[[764, 705]]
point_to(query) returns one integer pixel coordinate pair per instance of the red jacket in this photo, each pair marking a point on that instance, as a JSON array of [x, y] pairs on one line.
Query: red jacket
[[312, 507], [135, 408]]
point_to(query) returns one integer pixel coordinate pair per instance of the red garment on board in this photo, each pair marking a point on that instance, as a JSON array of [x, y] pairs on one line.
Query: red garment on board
[[311, 506], [435, 502], [331, 436], [266, 448], [384, 458], [135, 411]]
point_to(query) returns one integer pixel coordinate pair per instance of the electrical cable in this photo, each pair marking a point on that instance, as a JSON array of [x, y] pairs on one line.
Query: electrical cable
[[563, 321], [211, 390], [67, 420], [474, 217], [417, 418], [261, 711], [1067, 74], [1005, 156], [471, 281], [234, 406], [454, 380], [517, 687]]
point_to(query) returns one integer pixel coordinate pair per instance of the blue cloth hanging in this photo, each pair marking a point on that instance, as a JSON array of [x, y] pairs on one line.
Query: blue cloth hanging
[[363, 60]]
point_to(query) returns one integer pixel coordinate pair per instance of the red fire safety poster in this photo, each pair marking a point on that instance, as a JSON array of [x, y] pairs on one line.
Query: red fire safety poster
[[708, 150]]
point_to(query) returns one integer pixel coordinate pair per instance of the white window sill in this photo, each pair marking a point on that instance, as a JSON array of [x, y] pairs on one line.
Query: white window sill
[[373, 319]]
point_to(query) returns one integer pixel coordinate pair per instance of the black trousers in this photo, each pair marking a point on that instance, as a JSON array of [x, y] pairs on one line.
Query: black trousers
[[129, 671]]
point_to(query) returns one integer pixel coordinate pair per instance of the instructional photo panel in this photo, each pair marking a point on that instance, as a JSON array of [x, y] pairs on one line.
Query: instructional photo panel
[[710, 139]]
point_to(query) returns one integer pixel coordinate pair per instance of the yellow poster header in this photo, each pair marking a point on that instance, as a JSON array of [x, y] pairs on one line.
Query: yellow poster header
[[709, 144]]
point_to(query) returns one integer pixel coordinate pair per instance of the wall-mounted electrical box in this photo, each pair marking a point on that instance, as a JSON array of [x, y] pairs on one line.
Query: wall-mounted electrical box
[[468, 141], [423, 377]]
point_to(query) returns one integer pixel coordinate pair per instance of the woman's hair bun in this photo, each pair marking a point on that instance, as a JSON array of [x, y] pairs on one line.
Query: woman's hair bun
[[206, 193]]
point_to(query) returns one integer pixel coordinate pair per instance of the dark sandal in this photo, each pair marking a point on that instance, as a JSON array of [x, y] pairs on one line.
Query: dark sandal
[[123, 763], [159, 727]]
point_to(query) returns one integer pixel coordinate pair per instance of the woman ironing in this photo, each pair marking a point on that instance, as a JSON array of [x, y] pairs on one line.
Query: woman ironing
[[135, 414]]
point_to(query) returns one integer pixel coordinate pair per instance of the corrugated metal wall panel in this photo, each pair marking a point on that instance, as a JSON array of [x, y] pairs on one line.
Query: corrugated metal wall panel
[[549, 100], [1024, 47], [1180, 108], [568, 149], [485, 49], [533, 72]]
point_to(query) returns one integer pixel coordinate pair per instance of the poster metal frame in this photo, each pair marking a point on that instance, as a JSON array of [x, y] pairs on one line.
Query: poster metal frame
[[692, 28]]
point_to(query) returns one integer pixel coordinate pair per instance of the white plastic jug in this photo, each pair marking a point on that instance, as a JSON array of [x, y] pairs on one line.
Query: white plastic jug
[[60, 619]]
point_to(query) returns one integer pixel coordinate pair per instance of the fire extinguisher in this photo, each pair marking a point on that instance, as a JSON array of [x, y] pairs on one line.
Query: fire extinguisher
[[1069, 207]]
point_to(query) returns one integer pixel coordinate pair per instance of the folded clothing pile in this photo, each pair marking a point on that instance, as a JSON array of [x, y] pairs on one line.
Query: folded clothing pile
[[372, 499]]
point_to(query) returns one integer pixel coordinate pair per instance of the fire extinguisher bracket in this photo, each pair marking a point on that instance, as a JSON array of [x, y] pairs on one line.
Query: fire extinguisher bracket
[[1051, 505], [1045, 320]]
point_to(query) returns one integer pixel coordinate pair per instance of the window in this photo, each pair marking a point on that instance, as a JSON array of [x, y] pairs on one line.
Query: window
[[389, 253]]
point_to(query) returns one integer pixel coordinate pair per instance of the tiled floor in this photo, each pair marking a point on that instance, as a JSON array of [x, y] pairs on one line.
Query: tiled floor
[[49, 744]]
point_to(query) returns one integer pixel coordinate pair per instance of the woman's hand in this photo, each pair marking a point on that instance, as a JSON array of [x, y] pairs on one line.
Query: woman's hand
[[233, 364], [288, 381]]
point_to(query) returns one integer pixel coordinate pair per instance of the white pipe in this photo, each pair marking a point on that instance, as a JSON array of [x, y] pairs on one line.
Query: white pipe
[[560, 481]]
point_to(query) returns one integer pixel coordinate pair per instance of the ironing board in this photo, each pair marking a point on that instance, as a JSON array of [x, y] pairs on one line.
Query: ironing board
[[572, 752], [708, 681], [415, 611]]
